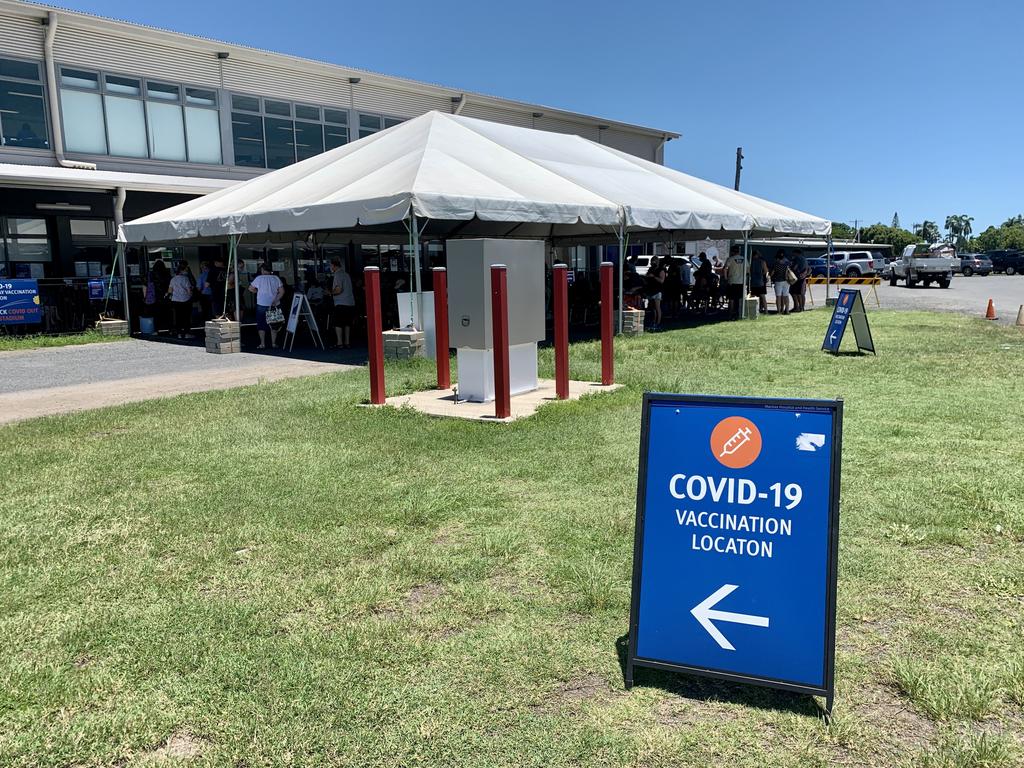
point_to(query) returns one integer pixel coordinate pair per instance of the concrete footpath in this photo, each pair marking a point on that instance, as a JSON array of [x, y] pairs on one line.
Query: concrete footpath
[[43, 382]]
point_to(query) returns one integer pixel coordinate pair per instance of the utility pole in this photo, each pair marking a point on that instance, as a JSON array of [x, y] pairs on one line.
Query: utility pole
[[739, 167]]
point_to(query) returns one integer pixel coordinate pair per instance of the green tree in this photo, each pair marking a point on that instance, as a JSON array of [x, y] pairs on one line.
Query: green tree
[[958, 228], [1014, 221], [989, 240], [1013, 237], [952, 228], [928, 231], [841, 231], [897, 237]]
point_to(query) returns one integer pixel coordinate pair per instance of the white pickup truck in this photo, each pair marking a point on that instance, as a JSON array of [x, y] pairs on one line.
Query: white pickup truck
[[924, 263]]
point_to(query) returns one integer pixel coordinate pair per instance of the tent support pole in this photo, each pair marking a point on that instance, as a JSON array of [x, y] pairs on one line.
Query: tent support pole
[[746, 275], [828, 270], [119, 199], [415, 287], [233, 255], [623, 240]]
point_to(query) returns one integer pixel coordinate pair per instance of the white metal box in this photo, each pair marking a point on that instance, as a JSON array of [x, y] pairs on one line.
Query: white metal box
[[469, 290]]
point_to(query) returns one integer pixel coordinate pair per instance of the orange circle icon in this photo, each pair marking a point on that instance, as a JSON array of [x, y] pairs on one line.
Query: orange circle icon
[[736, 442]]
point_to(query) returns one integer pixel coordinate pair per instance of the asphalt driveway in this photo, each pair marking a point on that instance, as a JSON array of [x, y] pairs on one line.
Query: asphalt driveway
[[42, 382]]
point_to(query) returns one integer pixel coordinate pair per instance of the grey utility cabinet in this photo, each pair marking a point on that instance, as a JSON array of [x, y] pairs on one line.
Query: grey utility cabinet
[[469, 290]]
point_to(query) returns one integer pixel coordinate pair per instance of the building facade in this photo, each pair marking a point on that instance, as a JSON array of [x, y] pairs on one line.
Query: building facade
[[102, 120]]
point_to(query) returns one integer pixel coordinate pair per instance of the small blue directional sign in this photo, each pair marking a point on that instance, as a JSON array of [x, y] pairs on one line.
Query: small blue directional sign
[[734, 570], [850, 304]]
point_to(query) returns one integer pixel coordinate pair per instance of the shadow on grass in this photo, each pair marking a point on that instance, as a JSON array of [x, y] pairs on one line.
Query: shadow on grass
[[706, 689]]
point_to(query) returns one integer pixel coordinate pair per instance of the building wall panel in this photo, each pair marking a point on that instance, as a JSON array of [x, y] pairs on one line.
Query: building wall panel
[[370, 97], [633, 143], [21, 36], [90, 48], [557, 125], [260, 79], [497, 114]]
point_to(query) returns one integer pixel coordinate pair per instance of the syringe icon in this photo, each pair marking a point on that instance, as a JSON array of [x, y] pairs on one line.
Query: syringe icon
[[734, 443]]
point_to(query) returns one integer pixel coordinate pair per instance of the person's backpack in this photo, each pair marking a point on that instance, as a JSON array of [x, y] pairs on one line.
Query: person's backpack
[[150, 293]]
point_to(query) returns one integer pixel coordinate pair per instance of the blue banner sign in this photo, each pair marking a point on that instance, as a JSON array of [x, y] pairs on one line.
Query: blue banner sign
[[96, 290], [850, 304], [735, 556], [19, 302]]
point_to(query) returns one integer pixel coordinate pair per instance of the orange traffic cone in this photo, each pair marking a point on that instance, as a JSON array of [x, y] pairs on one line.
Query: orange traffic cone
[[990, 313]]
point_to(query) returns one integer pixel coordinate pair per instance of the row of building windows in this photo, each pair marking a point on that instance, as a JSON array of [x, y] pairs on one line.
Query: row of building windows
[[267, 133], [108, 114], [130, 117], [22, 107], [24, 239]]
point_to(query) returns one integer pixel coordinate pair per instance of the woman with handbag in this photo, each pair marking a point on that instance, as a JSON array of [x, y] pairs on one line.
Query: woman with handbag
[[782, 277], [268, 289]]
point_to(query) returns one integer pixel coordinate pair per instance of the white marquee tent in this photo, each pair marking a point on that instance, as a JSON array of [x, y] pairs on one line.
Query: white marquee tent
[[452, 176], [451, 168]]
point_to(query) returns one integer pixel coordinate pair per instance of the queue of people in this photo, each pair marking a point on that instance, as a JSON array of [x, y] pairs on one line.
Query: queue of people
[[676, 287]]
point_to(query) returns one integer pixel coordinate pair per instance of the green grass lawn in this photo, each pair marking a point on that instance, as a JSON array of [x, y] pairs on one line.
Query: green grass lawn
[[277, 576], [21, 343]]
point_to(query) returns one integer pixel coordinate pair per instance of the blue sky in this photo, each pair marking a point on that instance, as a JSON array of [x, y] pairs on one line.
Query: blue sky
[[846, 110]]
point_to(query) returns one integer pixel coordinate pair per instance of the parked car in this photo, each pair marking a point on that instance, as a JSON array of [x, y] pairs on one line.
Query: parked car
[[975, 264], [1010, 262], [643, 263], [881, 261], [924, 263], [854, 263], [818, 265]]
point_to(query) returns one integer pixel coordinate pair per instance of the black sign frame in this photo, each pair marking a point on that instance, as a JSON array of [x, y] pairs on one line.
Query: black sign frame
[[632, 659]]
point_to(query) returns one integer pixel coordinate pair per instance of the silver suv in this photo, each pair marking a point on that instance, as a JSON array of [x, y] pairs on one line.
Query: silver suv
[[854, 263]]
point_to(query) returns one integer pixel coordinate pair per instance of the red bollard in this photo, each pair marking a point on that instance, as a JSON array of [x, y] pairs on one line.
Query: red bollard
[[374, 334], [444, 374], [607, 327], [560, 300], [499, 335]]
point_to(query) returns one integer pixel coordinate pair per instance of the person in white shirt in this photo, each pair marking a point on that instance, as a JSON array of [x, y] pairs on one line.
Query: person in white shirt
[[734, 268], [268, 289], [180, 291], [344, 304]]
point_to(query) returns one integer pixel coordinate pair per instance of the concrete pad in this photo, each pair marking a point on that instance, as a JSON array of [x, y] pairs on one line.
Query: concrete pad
[[441, 402]]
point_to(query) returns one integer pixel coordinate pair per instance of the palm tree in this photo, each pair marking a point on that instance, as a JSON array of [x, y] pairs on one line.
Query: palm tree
[[952, 227], [1015, 221], [965, 225], [928, 231]]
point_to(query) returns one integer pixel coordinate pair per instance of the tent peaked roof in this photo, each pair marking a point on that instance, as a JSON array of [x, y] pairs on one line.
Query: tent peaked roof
[[447, 167]]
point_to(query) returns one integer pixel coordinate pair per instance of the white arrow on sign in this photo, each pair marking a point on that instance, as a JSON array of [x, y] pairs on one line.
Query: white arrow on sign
[[704, 613], [832, 338]]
